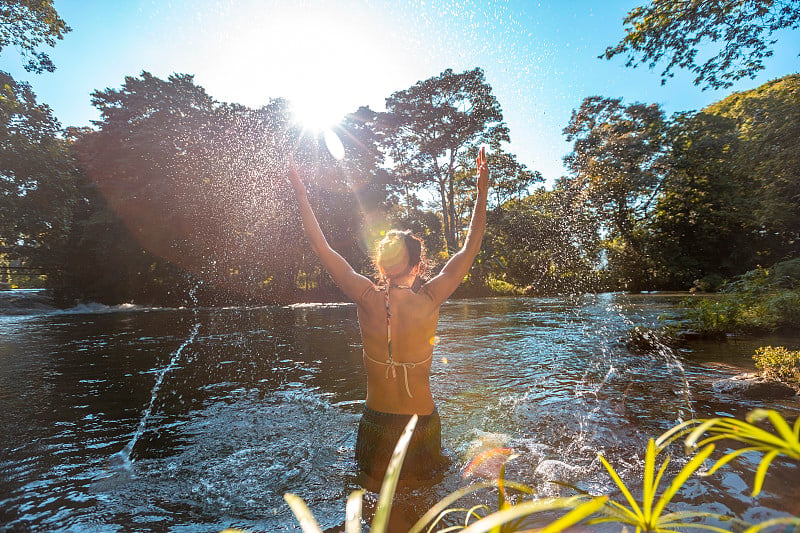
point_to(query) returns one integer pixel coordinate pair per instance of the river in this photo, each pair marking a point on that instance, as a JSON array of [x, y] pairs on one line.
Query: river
[[223, 410]]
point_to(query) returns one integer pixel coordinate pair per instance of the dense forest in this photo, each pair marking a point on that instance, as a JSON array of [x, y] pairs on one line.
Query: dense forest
[[173, 192], [174, 197]]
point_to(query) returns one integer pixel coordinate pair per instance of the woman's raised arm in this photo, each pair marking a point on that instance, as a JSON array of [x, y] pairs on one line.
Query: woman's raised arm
[[451, 276], [353, 284]]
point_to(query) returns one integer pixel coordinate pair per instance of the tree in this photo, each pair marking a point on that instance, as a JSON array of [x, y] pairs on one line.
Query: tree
[[704, 223], [28, 24], [192, 179], [37, 187], [103, 262], [730, 198], [679, 31], [199, 184], [510, 178], [767, 121], [365, 177], [540, 242], [431, 127], [617, 168]]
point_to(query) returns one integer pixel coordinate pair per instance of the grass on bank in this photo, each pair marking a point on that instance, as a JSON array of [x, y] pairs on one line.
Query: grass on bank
[[777, 362], [760, 301]]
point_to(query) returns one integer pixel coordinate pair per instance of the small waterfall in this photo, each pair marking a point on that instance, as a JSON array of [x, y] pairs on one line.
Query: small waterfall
[[16, 302]]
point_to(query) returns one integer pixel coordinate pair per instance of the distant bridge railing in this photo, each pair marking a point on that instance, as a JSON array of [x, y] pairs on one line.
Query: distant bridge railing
[[21, 270], [7, 271]]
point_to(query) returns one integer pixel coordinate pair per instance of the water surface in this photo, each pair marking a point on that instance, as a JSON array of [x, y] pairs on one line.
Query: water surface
[[266, 400]]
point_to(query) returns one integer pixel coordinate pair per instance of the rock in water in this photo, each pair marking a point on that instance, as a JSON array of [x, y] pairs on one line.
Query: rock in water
[[753, 386]]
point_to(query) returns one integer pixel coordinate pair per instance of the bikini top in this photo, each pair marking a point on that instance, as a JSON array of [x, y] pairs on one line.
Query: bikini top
[[390, 363]]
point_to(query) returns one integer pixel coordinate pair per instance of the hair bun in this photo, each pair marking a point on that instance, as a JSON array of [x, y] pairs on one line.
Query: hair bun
[[389, 248]]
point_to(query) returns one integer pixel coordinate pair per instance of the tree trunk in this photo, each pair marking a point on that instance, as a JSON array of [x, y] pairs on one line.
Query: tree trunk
[[445, 217], [452, 242]]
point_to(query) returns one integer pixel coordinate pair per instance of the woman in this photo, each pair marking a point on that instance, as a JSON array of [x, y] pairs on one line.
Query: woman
[[398, 322]]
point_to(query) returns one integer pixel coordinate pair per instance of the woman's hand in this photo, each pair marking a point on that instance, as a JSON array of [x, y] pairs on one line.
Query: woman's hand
[[483, 171], [294, 177]]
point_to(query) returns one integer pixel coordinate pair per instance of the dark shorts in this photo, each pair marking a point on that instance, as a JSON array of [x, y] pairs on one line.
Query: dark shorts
[[378, 433]]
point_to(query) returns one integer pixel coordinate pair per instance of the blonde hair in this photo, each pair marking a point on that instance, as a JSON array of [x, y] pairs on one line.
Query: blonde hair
[[399, 252]]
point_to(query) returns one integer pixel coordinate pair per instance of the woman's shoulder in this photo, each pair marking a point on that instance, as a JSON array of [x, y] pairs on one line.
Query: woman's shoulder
[[371, 293]]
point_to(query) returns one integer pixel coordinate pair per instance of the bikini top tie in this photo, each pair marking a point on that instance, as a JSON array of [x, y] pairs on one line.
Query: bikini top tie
[[390, 363]]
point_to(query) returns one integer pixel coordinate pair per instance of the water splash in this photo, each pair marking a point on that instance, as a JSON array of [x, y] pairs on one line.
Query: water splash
[[121, 461], [660, 353]]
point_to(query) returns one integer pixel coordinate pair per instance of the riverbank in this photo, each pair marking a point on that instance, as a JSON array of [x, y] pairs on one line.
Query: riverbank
[[760, 309], [761, 301]]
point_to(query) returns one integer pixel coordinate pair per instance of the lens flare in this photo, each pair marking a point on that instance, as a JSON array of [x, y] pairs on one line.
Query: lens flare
[[334, 144], [488, 464]]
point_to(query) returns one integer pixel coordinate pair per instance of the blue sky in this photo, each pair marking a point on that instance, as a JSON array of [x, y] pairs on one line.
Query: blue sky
[[331, 57]]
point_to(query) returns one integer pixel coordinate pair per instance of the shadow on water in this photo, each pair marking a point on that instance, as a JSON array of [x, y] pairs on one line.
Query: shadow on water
[[255, 402]]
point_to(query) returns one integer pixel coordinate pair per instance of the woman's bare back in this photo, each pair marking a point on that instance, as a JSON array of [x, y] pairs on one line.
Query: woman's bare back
[[402, 387]]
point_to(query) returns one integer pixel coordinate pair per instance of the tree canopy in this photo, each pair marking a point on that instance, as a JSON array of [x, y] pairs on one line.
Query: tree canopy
[[432, 132], [36, 175], [29, 24], [174, 193], [707, 194], [767, 124], [720, 41], [616, 170], [199, 185]]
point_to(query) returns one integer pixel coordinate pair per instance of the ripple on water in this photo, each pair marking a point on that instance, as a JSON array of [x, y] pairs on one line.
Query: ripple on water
[[240, 456], [267, 400]]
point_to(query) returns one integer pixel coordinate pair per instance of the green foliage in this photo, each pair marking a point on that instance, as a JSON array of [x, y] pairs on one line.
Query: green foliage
[[785, 440], [713, 316], [541, 243], [616, 168], [104, 263], [37, 181], [432, 132], [779, 363], [29, 24], [648, 514], [503, 288], [710, 283], [675, 31], [196, 187], [650, 203], [786, 306], [704, 224], [696, 197], [767, 163], [764, 299]]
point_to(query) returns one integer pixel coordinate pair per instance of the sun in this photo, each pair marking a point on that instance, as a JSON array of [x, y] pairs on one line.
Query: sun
[[326, 62], [316, 113], [319, 116]]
